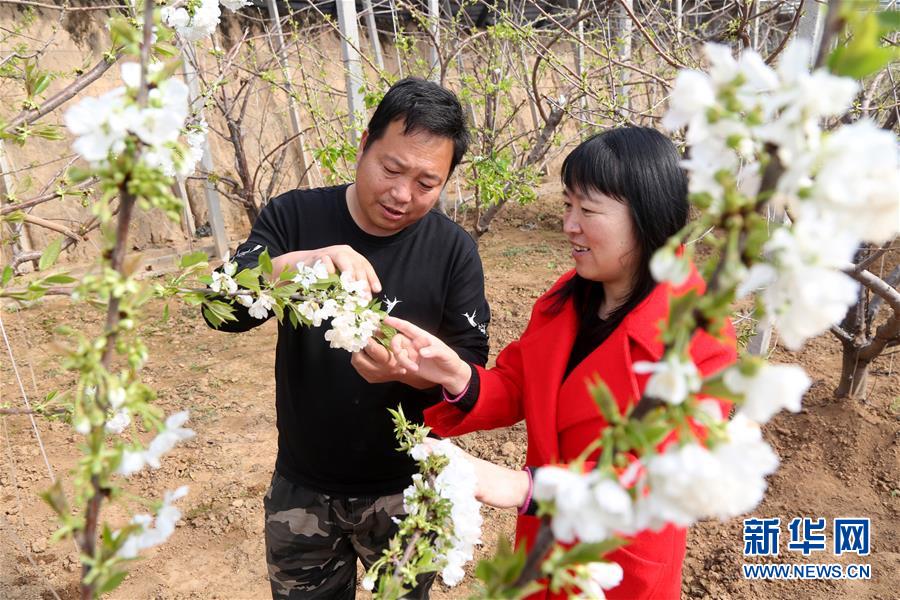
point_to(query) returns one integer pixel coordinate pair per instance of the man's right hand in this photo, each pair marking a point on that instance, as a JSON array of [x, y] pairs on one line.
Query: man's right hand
[[335, 258]]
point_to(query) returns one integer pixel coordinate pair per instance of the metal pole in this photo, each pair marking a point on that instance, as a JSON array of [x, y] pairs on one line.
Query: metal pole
[[216, 220], [679, 10], [18, 230], [579, 66], [396, 32], [373, 33], [349, 29], [625, 28], [811, 22], [809, 28], [434, 20], [293, 113]]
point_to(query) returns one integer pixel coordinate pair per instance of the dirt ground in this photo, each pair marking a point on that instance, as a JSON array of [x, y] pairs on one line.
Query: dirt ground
[[839, 458]]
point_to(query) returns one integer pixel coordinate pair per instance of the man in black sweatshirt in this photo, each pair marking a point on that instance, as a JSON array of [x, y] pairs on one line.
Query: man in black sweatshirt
[[338, 477]]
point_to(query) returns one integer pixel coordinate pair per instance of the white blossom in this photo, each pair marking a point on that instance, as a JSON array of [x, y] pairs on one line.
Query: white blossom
[[261, 306], [234, 5], [691, 482], [116, 397], [368, 583], [195, 138], [456, 483], [692, 95], [804, 292], [222, 282], [98, 126], [857, 182], [672, 379], [172, 433], [308, 276], [354, 286], [244, 300], [192, 27], [770, 389], [351, 330], [596, 577], [153, 532], [589, 507], [82, 425], [665, 266], [118, 422]]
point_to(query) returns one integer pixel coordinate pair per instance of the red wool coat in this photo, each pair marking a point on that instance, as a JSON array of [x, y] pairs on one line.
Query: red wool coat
[[527, 383]]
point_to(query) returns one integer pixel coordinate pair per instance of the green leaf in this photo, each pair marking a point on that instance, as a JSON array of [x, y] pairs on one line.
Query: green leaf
[[889, 20], [194, 258], [248, 278], [165, 315], [111, 582], [7, 276], [16, 216], [50, 254], [218, 312], [586, 553], [59, 278], [604, 400], [265, 262], [862, 54], [56, 498]]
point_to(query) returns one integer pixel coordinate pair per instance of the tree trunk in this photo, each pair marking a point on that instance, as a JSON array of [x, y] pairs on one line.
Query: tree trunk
[[854, 374]]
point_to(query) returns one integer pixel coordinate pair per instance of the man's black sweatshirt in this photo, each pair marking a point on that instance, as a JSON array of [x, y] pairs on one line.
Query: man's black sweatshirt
[[334, 431]]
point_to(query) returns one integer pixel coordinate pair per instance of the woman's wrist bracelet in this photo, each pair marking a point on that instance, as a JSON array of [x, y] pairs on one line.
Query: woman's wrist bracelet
[[524, 508]]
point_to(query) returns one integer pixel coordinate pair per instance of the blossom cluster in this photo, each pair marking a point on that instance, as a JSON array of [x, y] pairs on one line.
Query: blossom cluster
[[346, 303], [839, 188], [153, 532], [134, 460], [683, 484], [102, 125], [197, 19], [456, 483]]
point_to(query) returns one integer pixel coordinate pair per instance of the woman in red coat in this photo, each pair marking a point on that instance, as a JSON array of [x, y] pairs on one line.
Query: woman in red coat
[[624, 196]]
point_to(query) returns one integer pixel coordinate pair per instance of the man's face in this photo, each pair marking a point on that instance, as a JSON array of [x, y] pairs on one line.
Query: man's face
[[398, 179]]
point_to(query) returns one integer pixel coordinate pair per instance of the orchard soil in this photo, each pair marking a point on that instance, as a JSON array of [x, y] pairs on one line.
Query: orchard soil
[[840, 458]]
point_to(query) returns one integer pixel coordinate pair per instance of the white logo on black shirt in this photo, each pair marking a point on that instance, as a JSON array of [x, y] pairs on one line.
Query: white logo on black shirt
[[391, 304], [482, 327]]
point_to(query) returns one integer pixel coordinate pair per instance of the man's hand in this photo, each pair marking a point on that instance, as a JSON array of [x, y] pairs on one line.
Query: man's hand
[[335, 258], [376, 364]]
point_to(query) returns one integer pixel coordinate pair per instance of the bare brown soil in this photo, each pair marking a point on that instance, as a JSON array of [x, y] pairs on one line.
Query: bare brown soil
[[840, 458]]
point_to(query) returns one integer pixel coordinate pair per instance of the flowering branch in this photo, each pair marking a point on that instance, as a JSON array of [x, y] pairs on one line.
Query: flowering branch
[[442, 523]]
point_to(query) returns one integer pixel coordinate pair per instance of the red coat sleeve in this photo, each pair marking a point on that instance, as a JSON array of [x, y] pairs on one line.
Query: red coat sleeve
[[499, 401]]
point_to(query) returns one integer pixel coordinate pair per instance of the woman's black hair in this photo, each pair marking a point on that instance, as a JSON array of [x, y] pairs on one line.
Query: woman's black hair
[[423, 106], [638, 166]]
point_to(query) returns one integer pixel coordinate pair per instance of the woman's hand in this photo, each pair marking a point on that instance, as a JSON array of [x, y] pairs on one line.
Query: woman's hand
[[419, 352], [500, 487]]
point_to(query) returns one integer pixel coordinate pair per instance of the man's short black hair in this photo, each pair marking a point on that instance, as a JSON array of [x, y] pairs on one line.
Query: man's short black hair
[[423, 106]]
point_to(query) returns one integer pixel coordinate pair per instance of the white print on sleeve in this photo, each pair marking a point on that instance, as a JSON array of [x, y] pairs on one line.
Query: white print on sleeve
[[391, 304], [254, 249], [482, 327]]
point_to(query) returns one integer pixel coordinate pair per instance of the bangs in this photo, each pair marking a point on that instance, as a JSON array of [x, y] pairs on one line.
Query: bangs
[[592, 167]]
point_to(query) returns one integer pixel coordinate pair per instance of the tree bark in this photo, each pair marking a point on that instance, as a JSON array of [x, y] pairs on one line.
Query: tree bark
[[854, 374]]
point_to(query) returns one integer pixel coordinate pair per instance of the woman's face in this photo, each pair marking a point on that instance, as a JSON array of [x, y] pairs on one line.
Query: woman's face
[[601, 232]]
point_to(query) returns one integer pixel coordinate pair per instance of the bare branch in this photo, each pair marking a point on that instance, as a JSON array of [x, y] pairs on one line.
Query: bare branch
[[41, 222], [29, 116]]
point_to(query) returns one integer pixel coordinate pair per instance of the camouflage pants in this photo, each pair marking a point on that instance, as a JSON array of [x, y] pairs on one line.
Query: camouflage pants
[[313, 540]]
